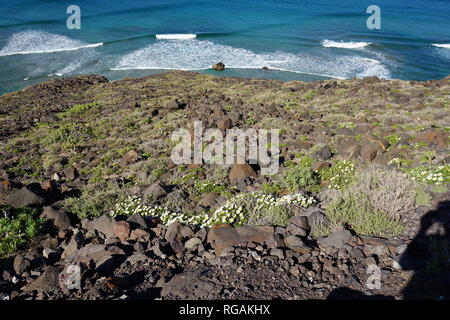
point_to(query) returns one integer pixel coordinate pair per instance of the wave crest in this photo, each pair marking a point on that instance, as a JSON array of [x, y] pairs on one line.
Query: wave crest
[[344, 45], [36, 41], [202, 54], [176, 36], [442, 45]]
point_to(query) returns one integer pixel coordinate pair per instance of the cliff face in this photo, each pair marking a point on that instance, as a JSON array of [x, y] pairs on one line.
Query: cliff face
[[362, 158]]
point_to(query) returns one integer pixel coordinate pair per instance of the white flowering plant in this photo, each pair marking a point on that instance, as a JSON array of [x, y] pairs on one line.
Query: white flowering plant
[[431, 174], [346, 125], [339, 175], [238, 211]]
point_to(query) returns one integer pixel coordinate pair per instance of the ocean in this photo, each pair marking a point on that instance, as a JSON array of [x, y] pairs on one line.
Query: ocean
[[295, 39]]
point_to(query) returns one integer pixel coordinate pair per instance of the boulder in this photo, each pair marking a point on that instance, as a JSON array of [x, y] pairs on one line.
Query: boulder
[[157, 190], [129, 158], [224, 236], [239, 172], [220, 66], [58, 217], [27, 196], [324, 153], [102, 224], [48, 281], [122, 230], [21, 264], [175, 105], [297, 244], [338, 239], [435, 137]]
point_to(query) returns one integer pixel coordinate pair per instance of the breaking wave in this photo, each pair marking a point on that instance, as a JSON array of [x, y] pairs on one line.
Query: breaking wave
[[35, 41], [176, 36], [201, 54], [344, 45], [443, 45]]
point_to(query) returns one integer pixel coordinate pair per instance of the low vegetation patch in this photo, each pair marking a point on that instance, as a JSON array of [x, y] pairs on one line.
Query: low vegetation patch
[[373, 203], [18, 227], [243, 209]]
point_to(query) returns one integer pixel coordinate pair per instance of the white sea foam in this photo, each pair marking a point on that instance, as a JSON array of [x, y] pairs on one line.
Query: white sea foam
[[442, 45], [176, 36], [344, 45], [36, 41], [198, 55]]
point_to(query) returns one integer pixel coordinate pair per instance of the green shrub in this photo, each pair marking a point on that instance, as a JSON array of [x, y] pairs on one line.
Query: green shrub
[[357, 212], [423, 198], [339, 175], [388, 190], [300, 176], [309, 95], [79, 109], [96, 199], [18, 229]]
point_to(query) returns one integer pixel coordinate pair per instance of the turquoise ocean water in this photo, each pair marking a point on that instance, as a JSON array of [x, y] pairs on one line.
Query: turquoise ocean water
[[295, 39]]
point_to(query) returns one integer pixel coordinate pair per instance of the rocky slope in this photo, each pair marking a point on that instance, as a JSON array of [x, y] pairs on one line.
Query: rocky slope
[[362, 190]]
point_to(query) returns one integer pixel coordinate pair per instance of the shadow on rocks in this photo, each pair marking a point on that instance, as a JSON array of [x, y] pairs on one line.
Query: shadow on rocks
[[427, 255]]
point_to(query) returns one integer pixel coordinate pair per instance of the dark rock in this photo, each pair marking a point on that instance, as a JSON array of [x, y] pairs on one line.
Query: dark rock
[[157, 190], [175, 105], [48, 281], [122, 230], [21, 264], [239, 172], [324, 153], [71, 173], [337, 239], [27, 196], [187, 286], [218, 66], [58, 217], [297, 244], [102, 224], [129, 158]]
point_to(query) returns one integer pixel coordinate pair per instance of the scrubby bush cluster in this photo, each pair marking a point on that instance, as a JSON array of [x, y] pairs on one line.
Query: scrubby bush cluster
[[373, 203], [339, 175], [17, 228], [358, 212], [95, 200], [300, 176]]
